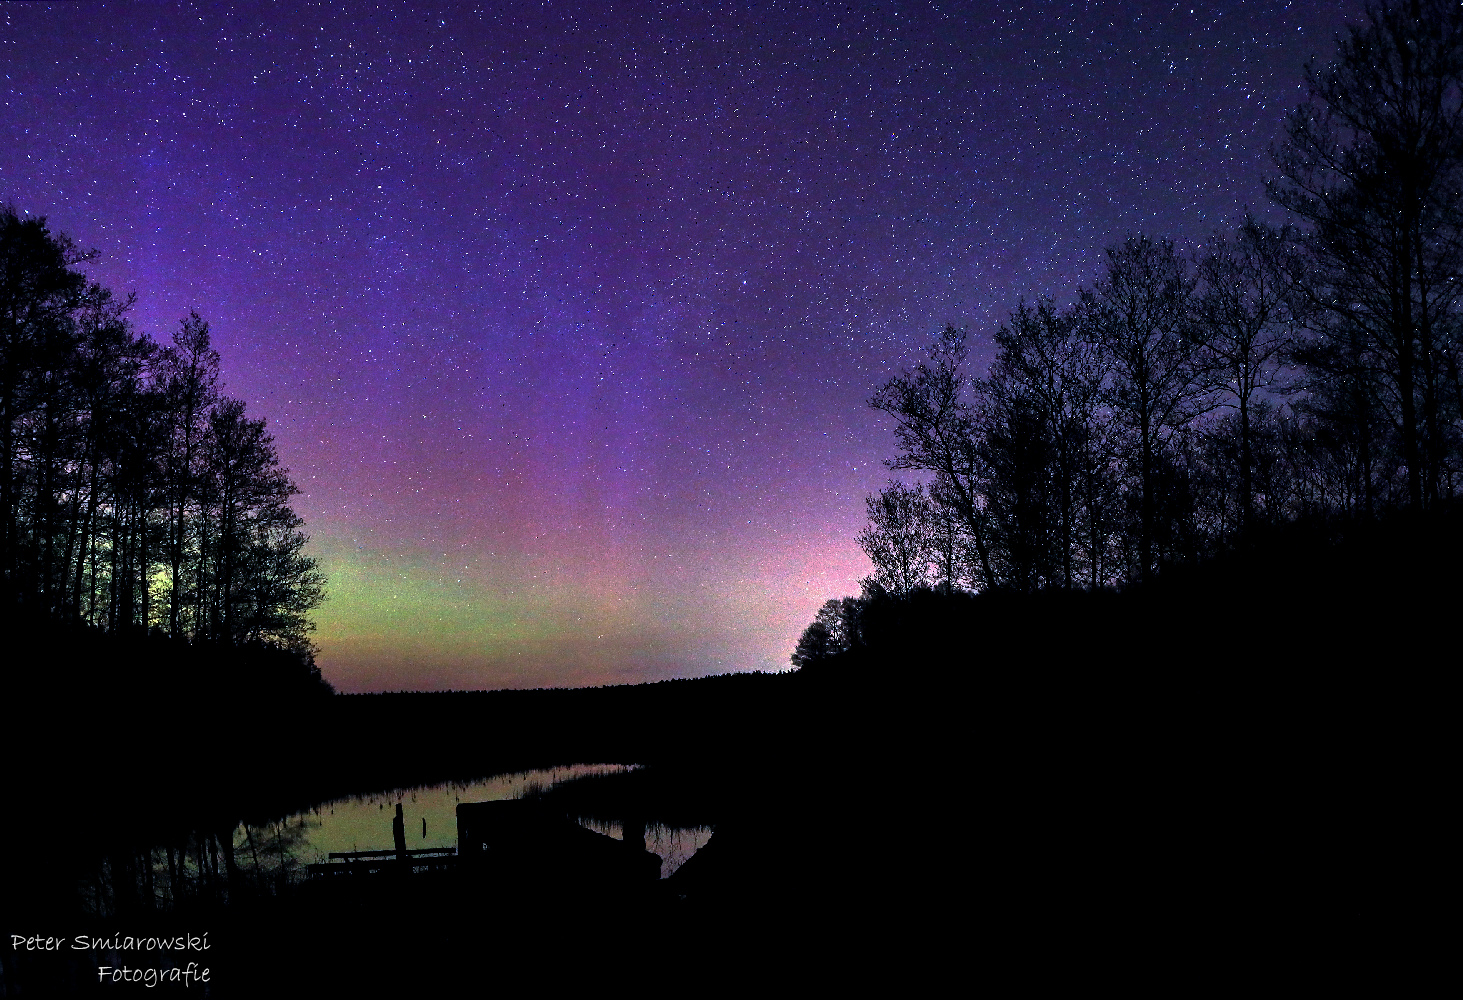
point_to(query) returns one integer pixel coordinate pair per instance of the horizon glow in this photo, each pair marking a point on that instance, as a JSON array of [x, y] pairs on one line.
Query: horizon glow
[[564, 320]]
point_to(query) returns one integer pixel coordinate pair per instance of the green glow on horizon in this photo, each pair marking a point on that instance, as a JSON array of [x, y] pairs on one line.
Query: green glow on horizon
[[569, 615], [404, 622]]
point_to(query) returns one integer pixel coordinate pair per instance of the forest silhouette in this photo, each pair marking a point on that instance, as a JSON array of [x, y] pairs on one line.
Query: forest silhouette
[[134, 496], [1282, 382], [1152, 667]]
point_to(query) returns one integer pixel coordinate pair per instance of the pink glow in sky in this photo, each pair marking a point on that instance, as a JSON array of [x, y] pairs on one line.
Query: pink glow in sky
[[564, 317]]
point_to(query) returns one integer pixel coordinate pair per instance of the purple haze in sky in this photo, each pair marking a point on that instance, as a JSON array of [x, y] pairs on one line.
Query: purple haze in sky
[[564, 316]]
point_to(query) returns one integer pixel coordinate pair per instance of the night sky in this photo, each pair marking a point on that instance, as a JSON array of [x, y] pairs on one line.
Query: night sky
[[564, 316]]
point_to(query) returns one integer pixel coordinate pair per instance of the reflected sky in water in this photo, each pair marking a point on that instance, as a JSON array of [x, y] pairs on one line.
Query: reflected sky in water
[[673, 844], [363, 823]]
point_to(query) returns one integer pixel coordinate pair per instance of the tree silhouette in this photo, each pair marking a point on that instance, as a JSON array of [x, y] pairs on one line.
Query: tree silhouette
[[1373, 166], [257, 582], [937, 433], [836, 630], [132, 496], [1247, 320], [1312, 371], [900, 538], [190, 375], [1140, 314], [1045, 389], [39, 289]]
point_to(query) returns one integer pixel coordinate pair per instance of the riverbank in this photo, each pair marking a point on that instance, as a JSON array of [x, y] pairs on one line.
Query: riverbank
[[1212, 767]]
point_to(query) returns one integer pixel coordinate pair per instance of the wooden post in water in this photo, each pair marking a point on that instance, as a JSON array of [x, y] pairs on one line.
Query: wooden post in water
[[398, 834]]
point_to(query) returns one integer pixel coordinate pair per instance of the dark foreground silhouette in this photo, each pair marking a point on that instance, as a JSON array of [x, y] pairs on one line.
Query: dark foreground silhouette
[[1240, 766]]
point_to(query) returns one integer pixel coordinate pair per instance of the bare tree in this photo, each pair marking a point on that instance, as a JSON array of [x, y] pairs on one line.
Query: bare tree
[[1058, 378], [900, 537], [1373, 166], [1141, 316], [1248, 321], [937, 433]]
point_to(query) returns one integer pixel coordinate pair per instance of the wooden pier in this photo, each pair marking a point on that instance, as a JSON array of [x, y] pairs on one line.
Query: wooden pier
[[363, 863], [510, 843]]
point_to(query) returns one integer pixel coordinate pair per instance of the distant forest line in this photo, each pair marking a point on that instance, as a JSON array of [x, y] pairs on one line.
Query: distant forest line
[[134, 495], [1187, 405]]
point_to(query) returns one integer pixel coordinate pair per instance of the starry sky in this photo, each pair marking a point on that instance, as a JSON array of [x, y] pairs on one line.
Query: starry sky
[[565, 315]]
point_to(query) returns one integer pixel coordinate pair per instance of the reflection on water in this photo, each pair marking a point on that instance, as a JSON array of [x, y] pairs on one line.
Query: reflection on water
[[201, 867], [674, 845], [363, 823], [212, 866]]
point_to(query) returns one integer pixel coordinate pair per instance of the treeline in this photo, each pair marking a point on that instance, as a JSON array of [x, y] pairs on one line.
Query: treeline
[[134, 496], [1185, 403]]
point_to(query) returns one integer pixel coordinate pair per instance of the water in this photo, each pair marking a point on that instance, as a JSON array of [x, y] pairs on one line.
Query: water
[[363, 823], [673, 844], [270, 857]]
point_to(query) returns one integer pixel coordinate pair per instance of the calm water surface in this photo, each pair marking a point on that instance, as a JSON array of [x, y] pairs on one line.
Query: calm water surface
[[363, 823], [269, 857]]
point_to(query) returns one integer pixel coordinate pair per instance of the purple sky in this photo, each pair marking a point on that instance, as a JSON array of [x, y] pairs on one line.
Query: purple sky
[[564, 315]]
